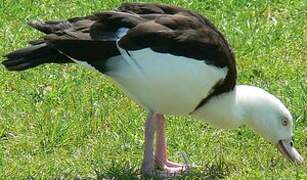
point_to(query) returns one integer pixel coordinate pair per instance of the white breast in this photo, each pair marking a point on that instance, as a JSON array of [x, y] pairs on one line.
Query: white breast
[[163, 82]]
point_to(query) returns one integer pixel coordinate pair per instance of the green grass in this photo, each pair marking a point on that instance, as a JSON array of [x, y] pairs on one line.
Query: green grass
[[69, 122]]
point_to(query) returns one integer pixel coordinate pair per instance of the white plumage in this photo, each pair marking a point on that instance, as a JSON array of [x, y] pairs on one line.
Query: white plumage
[[164, 83]]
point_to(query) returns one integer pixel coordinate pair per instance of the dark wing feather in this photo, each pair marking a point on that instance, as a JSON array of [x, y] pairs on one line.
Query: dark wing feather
[[84, 42], [49, 27], [196, 29], [92, 39], [85, 50]]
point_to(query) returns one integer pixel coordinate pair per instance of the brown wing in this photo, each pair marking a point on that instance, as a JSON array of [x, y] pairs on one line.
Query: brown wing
[[76, 41], [162, 28]]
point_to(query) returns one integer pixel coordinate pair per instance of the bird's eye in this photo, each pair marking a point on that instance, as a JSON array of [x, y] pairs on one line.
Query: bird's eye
[[284, 122]]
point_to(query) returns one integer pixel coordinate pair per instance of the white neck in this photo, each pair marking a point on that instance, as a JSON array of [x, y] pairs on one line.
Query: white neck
[[249, 105], [224, 111]]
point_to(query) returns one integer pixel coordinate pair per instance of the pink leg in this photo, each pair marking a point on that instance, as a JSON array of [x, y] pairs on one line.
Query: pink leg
[[148, 161], [161, 159]]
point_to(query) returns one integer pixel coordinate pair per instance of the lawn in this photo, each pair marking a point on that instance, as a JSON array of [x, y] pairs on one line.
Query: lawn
[[65, 121]]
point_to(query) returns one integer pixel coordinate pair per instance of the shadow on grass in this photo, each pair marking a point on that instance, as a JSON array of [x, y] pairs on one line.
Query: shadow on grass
[[214, 170]]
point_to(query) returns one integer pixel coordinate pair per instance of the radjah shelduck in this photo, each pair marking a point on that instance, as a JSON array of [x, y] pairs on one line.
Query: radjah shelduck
[[169, 60]]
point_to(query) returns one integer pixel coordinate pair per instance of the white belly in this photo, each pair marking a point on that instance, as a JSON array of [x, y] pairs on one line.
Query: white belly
[[163, 82]]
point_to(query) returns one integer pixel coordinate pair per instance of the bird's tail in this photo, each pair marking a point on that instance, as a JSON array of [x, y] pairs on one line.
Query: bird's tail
[[36, 54], [39, 52]]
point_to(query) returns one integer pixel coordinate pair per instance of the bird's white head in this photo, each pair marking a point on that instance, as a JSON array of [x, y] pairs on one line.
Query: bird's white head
[[268, 117]]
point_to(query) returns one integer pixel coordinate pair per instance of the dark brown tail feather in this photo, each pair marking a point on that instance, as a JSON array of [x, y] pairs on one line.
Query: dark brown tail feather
[[33, 56]]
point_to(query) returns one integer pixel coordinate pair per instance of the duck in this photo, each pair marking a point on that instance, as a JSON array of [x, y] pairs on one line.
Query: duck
[[168, 59]]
